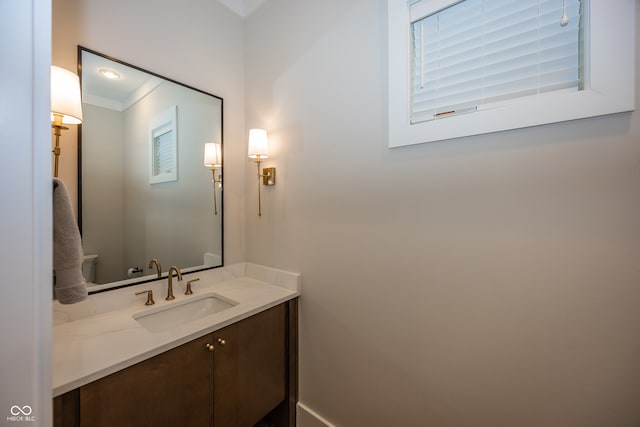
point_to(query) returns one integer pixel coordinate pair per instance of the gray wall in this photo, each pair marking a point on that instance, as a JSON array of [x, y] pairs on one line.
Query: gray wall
[[485, 281], [103, 185], [490, 280]]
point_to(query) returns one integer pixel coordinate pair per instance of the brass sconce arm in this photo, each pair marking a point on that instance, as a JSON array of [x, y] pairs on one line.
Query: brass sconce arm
[[215, 181], [258, 150], [213, 161], [268, 177], [57, 132]]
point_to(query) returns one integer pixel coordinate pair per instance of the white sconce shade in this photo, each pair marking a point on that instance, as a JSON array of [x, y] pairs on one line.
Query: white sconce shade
[[65, 96], [259, 149], [212, 154], [258, 143]]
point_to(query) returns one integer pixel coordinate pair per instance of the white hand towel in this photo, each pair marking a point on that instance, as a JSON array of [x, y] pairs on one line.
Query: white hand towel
[[70, 286]]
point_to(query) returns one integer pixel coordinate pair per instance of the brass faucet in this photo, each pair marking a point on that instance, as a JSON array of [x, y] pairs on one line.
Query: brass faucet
[[157, 263], [170, 276]]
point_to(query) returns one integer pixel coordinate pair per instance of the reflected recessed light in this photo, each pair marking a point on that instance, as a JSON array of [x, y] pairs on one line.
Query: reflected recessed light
[[110, 74]]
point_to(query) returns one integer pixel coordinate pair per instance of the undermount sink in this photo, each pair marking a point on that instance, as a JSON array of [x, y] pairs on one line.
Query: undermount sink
[[160, 319]]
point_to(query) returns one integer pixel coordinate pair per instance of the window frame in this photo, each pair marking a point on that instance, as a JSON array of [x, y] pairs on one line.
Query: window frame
[[609, 79]]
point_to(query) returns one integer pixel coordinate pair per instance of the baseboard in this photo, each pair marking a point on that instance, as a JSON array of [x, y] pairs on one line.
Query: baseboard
[[307, 417]]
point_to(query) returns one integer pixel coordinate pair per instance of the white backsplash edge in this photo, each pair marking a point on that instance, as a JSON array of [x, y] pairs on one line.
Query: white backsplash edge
[[274, 276]]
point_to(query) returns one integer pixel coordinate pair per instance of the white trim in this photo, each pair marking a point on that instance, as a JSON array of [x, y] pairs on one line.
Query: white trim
[[420, 8], [609, 87], [42, 211], [144, 90], [99, 101], [26, 229], [307, 417]]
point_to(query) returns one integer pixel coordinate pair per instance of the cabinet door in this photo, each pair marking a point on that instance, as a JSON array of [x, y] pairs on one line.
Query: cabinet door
[[66, 409], [225, 377], [172, 389], [249, 369]]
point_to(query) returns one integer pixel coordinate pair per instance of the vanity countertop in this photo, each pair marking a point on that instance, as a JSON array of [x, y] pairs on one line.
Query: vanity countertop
[[99, 336]]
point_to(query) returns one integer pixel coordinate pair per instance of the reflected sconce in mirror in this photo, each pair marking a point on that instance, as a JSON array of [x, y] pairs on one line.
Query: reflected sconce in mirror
[[66, 105], [259, 150], [213, 160]]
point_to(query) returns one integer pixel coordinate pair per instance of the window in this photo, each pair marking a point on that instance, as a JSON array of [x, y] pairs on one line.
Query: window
[[478, 52], [163, 147], [162, 152], [460, 68]]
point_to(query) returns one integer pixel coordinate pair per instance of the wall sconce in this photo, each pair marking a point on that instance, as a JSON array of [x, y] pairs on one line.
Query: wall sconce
[[258, 150], [66, 105], [213, 160]]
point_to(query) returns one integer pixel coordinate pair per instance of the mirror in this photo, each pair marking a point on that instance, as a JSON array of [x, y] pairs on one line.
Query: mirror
[[143, 189]]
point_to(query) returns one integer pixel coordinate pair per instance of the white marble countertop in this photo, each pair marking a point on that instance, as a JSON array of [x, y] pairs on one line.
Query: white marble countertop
[[99, 336]]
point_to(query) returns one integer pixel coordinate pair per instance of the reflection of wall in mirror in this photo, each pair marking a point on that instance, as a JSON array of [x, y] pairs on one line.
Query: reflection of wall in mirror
[[102, 188], [172, 221]]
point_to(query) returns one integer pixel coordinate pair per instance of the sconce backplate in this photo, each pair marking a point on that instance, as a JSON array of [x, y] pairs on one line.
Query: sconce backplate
[[269, 176]]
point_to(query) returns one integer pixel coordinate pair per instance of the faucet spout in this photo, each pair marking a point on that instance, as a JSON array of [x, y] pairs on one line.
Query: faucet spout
[[157, 265], [170, 277]]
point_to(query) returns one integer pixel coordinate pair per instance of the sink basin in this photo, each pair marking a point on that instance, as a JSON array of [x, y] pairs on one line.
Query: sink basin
[[160, 319]]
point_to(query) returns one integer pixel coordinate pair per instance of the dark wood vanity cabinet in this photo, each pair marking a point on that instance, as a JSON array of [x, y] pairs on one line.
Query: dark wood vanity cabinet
[[249, 373], [174, 388], [248, 378]]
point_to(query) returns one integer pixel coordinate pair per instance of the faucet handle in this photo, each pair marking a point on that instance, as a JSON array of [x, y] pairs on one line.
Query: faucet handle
[[189, 291], [149, 293]]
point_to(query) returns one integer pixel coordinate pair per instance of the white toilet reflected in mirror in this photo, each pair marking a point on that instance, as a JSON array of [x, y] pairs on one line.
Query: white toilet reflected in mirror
[[89, 265]]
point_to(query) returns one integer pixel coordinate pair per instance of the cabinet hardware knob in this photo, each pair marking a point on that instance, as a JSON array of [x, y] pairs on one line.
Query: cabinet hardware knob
[[210, 347], [221, 341]]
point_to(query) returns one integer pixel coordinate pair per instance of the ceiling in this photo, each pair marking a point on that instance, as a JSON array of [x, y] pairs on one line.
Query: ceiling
[[243, 8], [116, 94], [132, 84]]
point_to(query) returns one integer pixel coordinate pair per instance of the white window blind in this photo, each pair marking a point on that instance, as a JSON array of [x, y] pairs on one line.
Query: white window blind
[[163, 146], [163, 153], [479, 52]]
